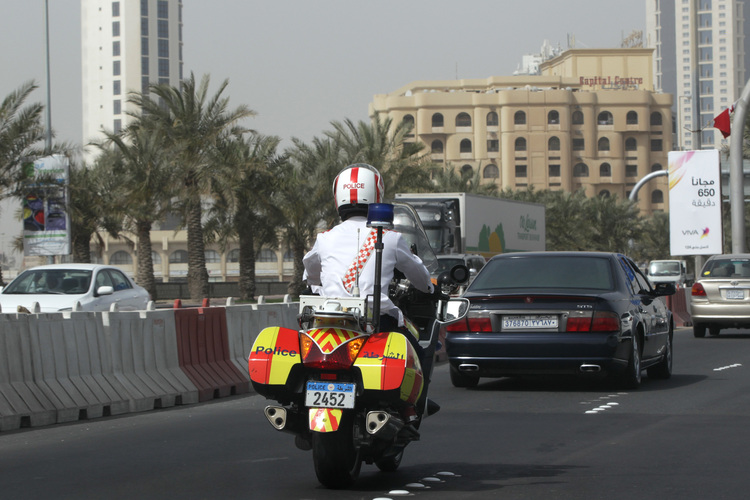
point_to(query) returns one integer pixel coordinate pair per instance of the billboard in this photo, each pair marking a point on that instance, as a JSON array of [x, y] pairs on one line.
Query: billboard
[[695, 202], [46, 224]]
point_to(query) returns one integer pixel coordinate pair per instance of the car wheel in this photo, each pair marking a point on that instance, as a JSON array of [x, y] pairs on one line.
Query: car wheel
[[699, 331], [713, 330], [663, 369], [459, 379], [632, 377]]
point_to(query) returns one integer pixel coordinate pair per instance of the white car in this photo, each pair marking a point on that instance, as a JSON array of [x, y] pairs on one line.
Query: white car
[[58, 287]]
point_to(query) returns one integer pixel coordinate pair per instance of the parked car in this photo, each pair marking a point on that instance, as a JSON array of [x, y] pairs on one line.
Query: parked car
[[58, 287], [543, 313], [720, 297]]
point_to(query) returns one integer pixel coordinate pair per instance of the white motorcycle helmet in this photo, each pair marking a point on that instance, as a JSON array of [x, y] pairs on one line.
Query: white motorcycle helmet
[[355, 187]]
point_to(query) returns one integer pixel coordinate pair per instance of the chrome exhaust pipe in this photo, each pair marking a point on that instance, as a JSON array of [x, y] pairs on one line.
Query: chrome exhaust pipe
[[590, 368], [466, 367], [276, 415]]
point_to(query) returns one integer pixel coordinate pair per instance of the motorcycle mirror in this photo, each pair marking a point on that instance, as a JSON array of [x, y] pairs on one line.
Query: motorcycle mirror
[[455, 309]]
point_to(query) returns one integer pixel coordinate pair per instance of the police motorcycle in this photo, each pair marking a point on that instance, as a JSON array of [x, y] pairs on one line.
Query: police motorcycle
[[343, 387]]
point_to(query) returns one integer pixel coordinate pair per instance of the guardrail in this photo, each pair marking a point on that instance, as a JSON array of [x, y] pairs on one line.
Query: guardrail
[[63, 367]]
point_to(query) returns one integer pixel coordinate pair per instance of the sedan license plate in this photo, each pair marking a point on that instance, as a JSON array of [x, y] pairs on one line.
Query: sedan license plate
[[534, 322], [735, 294], [329, 395]]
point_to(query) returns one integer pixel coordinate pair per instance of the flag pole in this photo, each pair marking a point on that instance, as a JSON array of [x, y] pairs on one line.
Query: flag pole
[[736, 177]]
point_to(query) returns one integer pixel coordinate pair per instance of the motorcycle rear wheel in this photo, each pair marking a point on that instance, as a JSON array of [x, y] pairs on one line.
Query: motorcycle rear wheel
[[390, 464], [337, 461]]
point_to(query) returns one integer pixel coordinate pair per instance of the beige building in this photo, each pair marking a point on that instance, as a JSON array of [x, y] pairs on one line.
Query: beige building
[[590, 121]]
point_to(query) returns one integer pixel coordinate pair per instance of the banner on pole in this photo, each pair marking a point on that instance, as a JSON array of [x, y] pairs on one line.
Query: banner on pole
[[46, 224], [695, 202]]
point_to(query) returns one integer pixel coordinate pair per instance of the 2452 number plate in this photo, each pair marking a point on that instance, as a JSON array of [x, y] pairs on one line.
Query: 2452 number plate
[[329, 395]]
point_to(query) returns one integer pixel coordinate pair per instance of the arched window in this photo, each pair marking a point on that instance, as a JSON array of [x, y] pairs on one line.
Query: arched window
[[409, 120], [656, 118], [267, 255], [155, 258], [604, 193], [437, 146], [463, 120], [492, 120], [553, 144], [465, 146], [656, 167], [603, 144], [519, 118], [605, 118], [581, 170], [437, 120], [605, 170], [553, 118], [121, 258], [631, 118], [657, 196], [520, 144], [212, 257], [234, 255], [631, 144], [491, 172], [178, 257], [467, 170], [577, 118], [288, 256]]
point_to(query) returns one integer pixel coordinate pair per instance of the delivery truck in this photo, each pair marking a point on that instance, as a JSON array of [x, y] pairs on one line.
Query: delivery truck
[[467, 223]]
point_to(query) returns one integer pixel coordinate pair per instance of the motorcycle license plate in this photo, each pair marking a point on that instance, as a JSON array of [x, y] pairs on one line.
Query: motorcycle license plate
[[329, 395]]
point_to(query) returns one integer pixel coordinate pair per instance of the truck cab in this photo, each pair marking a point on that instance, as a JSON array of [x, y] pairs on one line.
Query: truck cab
[[670, 271]]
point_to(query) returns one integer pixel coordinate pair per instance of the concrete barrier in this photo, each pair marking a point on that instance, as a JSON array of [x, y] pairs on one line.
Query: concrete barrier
[[677, 303]]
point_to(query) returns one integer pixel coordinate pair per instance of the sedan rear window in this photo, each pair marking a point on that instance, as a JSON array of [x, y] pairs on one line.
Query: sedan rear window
[[545, 271], [727, 268]]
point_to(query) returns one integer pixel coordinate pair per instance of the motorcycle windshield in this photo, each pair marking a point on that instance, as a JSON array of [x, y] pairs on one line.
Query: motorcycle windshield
[[406, 221]]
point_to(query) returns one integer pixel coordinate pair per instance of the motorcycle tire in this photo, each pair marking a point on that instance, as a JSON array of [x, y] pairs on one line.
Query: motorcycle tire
[[337, 461], [390, 464]]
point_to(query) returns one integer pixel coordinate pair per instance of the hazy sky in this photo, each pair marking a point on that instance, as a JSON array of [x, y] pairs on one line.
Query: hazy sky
[[302, 64]]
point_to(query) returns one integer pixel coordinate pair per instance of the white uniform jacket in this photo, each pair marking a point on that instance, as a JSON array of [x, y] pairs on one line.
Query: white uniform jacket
[[336, 249]]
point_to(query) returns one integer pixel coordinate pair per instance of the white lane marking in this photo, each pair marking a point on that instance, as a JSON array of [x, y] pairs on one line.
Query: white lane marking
[[602, 399], [736, 365]]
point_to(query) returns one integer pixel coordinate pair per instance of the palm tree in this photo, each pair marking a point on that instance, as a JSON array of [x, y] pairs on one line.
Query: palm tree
[[449, 180], [243, 206], [144, 187], [193, 122], [21, 129]]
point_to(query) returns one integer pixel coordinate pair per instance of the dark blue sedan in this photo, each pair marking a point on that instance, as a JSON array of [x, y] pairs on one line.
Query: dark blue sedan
[[552, 313]]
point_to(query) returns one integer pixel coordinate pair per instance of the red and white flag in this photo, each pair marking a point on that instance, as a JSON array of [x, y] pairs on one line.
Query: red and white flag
[[723, 122]]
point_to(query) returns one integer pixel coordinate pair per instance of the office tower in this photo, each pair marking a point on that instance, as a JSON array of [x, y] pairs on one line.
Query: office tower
[[126, 45]]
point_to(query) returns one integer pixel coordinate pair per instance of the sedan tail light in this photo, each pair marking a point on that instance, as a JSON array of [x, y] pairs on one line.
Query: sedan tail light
[[476, 324], [697, 290], [600, 321]]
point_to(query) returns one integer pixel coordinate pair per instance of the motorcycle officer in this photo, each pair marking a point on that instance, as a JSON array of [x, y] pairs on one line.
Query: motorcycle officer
[[340, 259]]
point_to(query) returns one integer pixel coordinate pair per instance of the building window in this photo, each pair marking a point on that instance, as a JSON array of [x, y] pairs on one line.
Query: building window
[[437, 120], [144, 31], [117, 126], [144, 65], [553, 144], [605, 170], [465, 146], [121, 258], [117, 106], [631, 144], [467, 170], [162, 9], [178, 257], [144, 46], [493, 145], [116, 68], [656, 145], [144, 84], [492, 120], [155, 258], [656, 167], [116, 48], [437, 146], [603, 144], [144, 7], [519, 118], [162, 29], [577, 117], [604, 193], [605, 118], [656, 118], [581, 170], [164, 67], [116, 87], [288, 256], [463, 120], [163, 47], [116, 28], [631, 170], [234, 256], [267, 255], [657, 196], [520, 171], [554, 170], [491, 172], [408, 121], [212, 257], [520, 144], [631, 118], [115, 9], [578, 145], [553, 118]]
